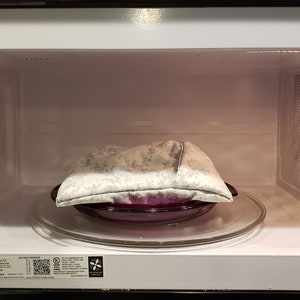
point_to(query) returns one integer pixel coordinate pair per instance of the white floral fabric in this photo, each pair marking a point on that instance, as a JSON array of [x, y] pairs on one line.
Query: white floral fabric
[[169, 170]]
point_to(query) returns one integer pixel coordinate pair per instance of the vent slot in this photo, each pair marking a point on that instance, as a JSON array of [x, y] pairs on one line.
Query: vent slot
[[296, 123], [37, 58]]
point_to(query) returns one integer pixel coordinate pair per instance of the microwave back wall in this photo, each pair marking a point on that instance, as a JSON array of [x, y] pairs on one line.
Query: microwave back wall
[[225, 79]]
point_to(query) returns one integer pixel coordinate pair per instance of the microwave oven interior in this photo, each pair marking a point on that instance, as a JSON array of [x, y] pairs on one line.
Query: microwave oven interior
[[240, 106]]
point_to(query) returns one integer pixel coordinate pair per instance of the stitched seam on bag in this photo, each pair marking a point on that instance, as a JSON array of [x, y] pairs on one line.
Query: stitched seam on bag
[[180, 156]]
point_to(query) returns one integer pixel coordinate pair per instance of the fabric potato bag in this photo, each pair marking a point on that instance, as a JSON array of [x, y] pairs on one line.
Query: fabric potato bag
[[158, 172]]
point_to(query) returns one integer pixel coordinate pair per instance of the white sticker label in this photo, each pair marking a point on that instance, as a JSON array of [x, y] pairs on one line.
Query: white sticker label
[[50, 267]]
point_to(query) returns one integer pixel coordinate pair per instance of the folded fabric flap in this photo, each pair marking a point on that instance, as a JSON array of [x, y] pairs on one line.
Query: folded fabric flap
[[170, 169], [146, 197], [143, 158], [197, 172]]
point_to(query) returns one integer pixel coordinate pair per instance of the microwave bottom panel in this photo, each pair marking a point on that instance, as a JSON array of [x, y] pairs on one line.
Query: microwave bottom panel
[[260, 259]]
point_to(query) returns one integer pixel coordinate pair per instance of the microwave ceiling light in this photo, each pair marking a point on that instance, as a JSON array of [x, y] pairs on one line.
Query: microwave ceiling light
[[146, 16]]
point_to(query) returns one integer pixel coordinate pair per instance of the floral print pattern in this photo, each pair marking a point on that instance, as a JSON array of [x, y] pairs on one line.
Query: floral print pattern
[[167, 170]]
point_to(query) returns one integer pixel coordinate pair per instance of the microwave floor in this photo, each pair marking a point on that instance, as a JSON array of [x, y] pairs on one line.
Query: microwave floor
[[270, 247], [36, 220]]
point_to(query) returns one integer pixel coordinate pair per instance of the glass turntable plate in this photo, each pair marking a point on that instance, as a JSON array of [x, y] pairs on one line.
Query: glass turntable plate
[[224, 221]]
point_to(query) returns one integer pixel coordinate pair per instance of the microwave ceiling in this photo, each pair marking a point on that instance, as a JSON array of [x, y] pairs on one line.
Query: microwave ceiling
[[174, 59]]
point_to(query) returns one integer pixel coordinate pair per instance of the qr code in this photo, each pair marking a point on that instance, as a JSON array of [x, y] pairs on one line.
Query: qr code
[[41, 266]]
